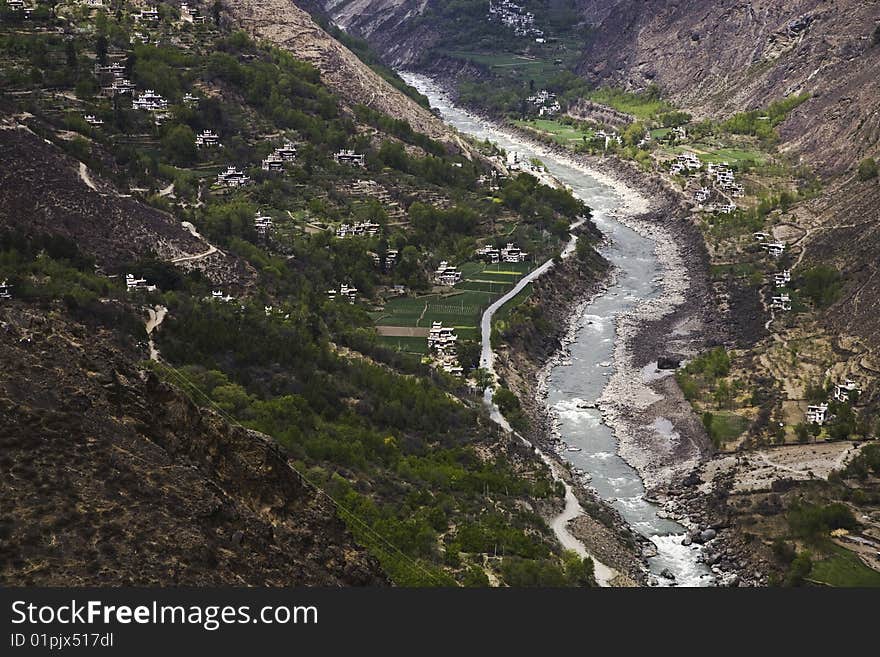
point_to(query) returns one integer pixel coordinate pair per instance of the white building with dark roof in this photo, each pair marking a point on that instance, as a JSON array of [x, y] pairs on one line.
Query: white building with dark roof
[[232, 177], [781, 302], [842, 390], [150, 101], [441, 338], [446, 274], [5, 290], [208, 139], [272, 163], [817, 414], [350, 157]]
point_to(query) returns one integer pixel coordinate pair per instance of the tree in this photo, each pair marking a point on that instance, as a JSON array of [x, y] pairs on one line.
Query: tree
[[101, 49], [868, 169], [803, 432], [179, 145]]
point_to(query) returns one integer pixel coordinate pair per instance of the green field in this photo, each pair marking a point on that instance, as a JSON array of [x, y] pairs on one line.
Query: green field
[[715, 155], [562, 133], [844, 569], [513, 65], [639, 105], [728, 426], [461, 307]]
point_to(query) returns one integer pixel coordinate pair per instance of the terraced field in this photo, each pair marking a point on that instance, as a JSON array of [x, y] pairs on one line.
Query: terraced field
[[460, 307]]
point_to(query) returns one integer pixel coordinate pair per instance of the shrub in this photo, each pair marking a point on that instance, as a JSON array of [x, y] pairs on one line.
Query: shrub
[[821, 285], [868, 169]]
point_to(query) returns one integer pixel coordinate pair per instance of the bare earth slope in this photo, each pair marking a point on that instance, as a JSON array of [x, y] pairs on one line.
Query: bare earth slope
[[47, 191], [283, 23], [110, 477]]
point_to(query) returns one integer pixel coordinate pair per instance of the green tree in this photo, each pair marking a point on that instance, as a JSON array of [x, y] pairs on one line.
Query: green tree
[[868, 169], [179, 145]]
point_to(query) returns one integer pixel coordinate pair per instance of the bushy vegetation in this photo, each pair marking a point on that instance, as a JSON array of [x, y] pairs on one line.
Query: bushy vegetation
[[867, 169], [761, 123], [821, 284]]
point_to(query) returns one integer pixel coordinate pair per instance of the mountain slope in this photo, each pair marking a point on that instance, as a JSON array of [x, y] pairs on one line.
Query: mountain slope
[[718, 58], [110, 477], [283, 23]]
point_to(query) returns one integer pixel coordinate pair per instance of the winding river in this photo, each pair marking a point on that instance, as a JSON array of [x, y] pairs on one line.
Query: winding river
[[574, 385]]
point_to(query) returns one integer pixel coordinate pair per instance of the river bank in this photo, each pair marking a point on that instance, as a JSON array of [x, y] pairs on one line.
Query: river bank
[[673, 318]]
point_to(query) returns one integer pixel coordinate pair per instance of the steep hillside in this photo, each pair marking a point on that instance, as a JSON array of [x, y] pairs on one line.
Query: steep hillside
[[718, 58], [110, 477], [283, 23], [49, 192]]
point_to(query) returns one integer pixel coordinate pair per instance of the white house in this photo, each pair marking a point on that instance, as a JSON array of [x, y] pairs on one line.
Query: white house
[[217, 295], [783, 278], [702, 195], [781, 302], [689, 161], [207, 139], [262, 223], [286, 153], [446, 274], [91, 119], [232, 177], [190, 101], [358, 229], [512, 253], [147, 16], [273, 163], [490, 254], [726, 208], [775, 249], [817, 414], [346, 291], [349, 157], [441, 338], [150, 101], [5, 290], [842, 390], [15, 5], [132, 283], [761, 237]]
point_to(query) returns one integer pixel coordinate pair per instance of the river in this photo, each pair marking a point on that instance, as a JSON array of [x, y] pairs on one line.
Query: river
[[579, 381]]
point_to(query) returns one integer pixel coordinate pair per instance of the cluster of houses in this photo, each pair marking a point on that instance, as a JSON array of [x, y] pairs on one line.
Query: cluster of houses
[[114, 82], [446, 274], [546, 103], [724, 178], [515, 16], [721, 175], [358, 229], [279, 157], [149, 15], [775, 249], [150, 101], [233, 177], [346, 156], [442, 341], [133, 284], [818, 413], [5, 290], [345, 291], [510, 254], [387, 263]]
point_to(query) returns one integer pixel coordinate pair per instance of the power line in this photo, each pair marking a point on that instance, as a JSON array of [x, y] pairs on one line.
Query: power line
[[339, 506]]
